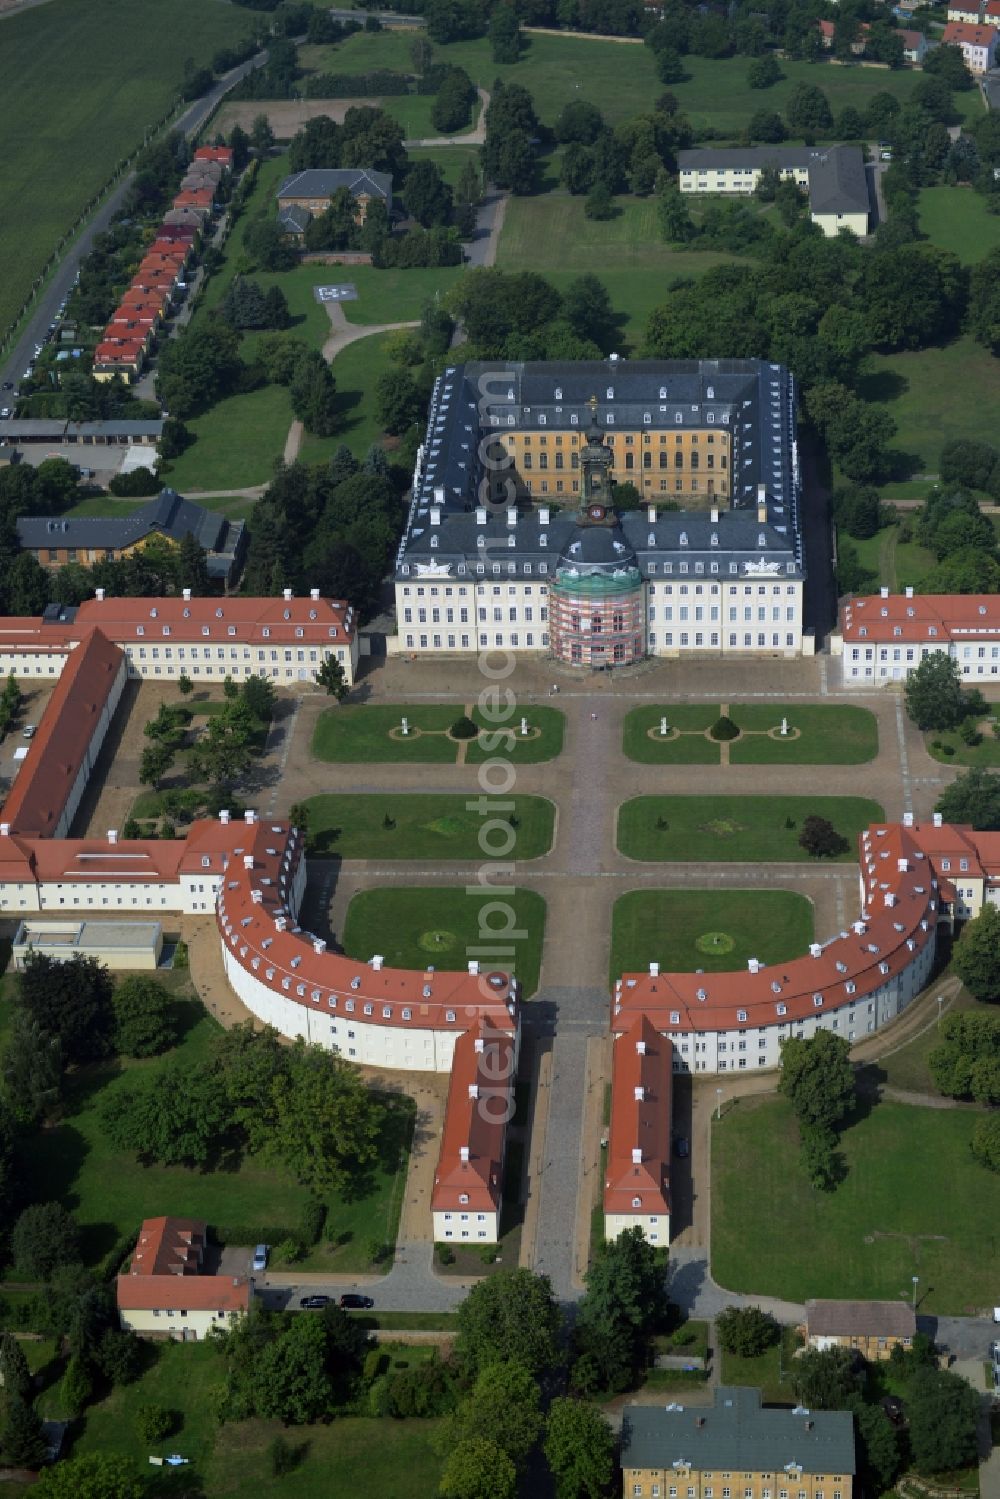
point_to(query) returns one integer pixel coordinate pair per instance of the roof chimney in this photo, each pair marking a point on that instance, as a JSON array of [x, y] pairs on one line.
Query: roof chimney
[[224, 817], [112, 835], [250, 816], [654, 970], [715, 517], [909, 593], [435, 515], [753, 964], [286, 594], [762, 502], [889, 898], [883, 593], [480, 515], [815, 951], [473, 1090], [637, 1156], [439, 494], [479, 1044], [319, 944], [187, 595], [377, 960], [651, 515], [512, 515], [938, 819], [903, 865], [314, 595], [463, 1152], [907, 819], [473, 966], [640, 1094], [543, 515], [99, 595], [640, 1047], [248, 861], [4, 829]]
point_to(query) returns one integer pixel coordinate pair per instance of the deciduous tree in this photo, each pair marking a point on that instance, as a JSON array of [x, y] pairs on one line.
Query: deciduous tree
[[579, 1449], [943, 1412], [478, 1468], [44, 1236], [145, 1017], [511, 1316], [818, 1079], [933, 693], [746, 1330], [976, 957]]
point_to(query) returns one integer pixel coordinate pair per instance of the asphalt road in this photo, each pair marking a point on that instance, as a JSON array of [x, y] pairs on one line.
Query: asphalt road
[[36, 328]]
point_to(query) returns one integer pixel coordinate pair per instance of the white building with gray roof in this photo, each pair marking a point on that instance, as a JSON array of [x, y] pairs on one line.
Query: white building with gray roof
[[517, 538], [833, 176]]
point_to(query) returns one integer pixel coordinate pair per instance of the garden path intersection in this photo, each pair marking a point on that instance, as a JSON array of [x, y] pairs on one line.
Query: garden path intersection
[[580, 878]]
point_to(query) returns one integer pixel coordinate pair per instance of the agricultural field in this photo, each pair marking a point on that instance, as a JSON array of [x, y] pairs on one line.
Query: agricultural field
[[68, 117], [774, 1234], [716, 930], [443, 925]]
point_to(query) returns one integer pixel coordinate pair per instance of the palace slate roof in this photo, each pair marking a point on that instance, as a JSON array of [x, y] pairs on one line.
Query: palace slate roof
[[735, 1433]]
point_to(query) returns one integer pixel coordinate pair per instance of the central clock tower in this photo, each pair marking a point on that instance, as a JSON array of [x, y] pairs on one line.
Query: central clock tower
[[596, 479]]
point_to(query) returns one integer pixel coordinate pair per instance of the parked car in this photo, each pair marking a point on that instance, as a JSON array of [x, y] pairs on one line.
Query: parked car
[[681, 1147], [29, 731], [314, 1303], [260, 1255], [995, 1352], [7, 385], [354, 1302], [4, 413]]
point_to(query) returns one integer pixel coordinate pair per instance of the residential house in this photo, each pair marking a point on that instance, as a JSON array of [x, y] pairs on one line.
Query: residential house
[[307, 194], [736, 1444], [873, 1328], [828, 32], [637, 1157], [222, 154], [883, 638], [833, 176], [54, 541], [965, 12], [991, 14], [904, 9], [978, 44], [165, 1292], [915, 47]]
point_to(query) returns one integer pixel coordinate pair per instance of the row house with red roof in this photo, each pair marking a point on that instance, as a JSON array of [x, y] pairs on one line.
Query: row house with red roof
[[977, 43], [636, 1191], [880, 640]]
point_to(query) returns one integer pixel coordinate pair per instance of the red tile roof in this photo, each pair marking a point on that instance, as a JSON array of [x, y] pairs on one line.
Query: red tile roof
[[925, 617], [198, 197], [637, 1169], [224, 154], [58, 751], [470, 1163], [253, 917], [183, 1293], [901, 902], [912, 39], [236, 618], [169, 1246], [958, 32]]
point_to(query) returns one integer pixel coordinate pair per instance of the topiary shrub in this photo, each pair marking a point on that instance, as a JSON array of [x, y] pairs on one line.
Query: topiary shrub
[[724, 729], [464, 728]]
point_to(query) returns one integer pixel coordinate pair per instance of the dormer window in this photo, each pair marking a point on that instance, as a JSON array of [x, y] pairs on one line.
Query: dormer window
[[683, 539], [761, 539], [218, 613], [611, 393], [434, 542], [266, 633], [637, 1202], [646, 418], [558, 392], [574, 420], [741, 1016], [663, 392], [715, 539]]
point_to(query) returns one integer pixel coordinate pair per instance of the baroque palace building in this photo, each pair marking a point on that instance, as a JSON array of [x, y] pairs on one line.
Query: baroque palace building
[[517, 538]]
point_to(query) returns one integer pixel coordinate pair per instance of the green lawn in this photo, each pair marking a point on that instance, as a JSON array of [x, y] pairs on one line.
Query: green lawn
[[429, 825], [689, 747], [956, 219], [895, 564], [550, 233], [355, 370], [110, 1192], [443, 925], [986, 753], [773, 1234], [927, 395], [717, 930], [81, 81], [907, 1067], [237, 443], [827, 734], [731, 829], [769, 1373], [370, 733], [450, 159], [350, 1458]]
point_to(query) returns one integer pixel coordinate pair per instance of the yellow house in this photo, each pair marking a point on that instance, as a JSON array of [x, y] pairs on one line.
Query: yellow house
[[874, 1328], [735, 1449], [165, 1293]]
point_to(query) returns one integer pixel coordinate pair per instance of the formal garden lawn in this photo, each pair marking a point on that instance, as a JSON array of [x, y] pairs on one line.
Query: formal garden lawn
[[415, 926], [717, 930], [368, 733], [734, 829], [827, 734], [427, 825], [81, 83], [957, 219], [927, 395], [110, 1192], [914, 1202]]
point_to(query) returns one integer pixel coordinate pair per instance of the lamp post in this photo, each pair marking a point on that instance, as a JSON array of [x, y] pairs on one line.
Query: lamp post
[[915, 1279], [718, 1103], [940, 1002]]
